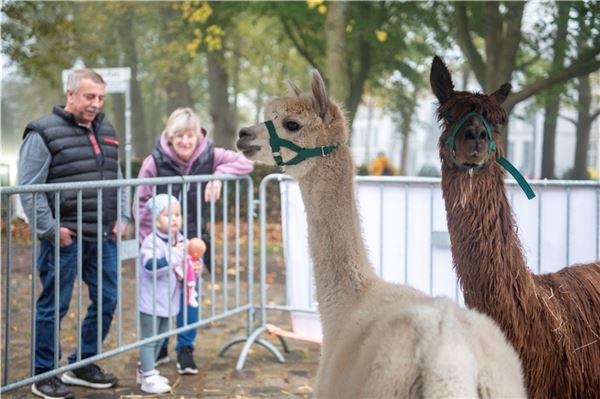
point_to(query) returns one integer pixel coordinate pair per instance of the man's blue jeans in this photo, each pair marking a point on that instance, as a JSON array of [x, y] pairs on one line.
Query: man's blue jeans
[[186, 338], [44, 322]]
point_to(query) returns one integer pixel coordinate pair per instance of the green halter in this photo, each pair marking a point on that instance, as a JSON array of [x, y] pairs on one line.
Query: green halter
[[277, 142], [450, 140], [502, 161]]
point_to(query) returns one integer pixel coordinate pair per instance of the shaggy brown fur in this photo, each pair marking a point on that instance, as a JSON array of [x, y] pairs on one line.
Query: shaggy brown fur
[[552, 319]]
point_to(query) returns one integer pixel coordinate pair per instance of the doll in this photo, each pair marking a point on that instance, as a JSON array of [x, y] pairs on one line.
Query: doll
[[196, 249]]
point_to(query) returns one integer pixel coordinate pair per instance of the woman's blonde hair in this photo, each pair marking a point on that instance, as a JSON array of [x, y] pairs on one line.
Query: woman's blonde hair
[[183, 119]]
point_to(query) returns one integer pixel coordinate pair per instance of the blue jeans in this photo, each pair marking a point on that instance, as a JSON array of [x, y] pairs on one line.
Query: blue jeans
[[186, 338], [44, 321]]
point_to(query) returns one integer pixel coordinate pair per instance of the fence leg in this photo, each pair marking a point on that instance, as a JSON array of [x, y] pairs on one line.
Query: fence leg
[[254, 337]]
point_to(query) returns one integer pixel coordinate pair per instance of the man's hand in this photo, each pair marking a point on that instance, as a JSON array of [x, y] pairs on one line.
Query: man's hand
[[66, 236], [213, 191], [123, 229]]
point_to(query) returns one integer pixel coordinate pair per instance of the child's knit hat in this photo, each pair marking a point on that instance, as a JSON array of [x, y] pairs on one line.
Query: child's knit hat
[[157, 204]]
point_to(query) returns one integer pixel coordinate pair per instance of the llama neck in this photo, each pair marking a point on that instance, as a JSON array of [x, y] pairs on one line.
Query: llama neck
[[339, 258], [486, 250]]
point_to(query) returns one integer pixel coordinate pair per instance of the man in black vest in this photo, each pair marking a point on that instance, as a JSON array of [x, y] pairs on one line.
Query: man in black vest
[[74, 143]]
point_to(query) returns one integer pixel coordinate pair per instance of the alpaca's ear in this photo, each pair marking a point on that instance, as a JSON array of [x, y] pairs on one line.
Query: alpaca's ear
[[293, 88], [321, 97], [441, 81], [501, 94]]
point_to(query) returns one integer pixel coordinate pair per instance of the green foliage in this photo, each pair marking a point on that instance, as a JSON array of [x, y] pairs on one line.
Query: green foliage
[[362, 170], [389, 47]]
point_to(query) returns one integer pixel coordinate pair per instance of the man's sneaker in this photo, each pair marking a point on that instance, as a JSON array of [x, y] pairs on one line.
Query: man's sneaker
[[163, 356], [51, 388], [154, 383], [139, 374], [90, 376], [185, 361]]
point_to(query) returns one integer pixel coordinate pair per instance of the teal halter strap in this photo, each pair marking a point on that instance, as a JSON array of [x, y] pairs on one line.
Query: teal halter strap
[[502, 161], [277, 142], [450, 140]]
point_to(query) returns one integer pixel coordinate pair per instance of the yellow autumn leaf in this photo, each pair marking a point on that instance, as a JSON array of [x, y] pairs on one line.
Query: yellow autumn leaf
[[322, 9], [192, 46], [381, 35], [314, 3]]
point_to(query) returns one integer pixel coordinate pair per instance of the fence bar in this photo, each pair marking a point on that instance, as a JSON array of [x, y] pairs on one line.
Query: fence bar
[[79, 268], [225, 242], [8, 298], [34, 257], [57, 273], [100, 266]]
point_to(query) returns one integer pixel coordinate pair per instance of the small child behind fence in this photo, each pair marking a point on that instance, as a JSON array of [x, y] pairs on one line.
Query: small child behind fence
[[167, 264]]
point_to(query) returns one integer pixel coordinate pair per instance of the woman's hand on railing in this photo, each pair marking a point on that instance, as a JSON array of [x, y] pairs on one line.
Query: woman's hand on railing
[[213, 191]]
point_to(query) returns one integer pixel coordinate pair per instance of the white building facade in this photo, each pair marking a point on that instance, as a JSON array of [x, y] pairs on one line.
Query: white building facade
[[373, 131]]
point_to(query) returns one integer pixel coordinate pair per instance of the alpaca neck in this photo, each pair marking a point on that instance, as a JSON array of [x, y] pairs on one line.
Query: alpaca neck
[[340, 262], [485, 247]]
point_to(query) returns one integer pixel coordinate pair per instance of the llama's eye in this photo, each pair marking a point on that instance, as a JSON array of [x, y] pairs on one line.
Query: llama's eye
[[292, 126]]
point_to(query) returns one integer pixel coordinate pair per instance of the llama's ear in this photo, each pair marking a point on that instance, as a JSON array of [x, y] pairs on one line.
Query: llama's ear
[[441, 81], [501, 94], [293, 88], [321, 97]]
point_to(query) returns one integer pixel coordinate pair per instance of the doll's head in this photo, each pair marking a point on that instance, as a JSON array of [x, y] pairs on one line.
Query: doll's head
[[160, 207], [196, 248]]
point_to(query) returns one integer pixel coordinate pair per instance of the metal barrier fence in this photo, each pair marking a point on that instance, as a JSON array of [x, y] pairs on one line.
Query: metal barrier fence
[[405, 231], [226, 291], [405, 225]]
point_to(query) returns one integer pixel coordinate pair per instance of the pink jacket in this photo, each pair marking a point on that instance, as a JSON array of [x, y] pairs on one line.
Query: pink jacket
[[226, 162]]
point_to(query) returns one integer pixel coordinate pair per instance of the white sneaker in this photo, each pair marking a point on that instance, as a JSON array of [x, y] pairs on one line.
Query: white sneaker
[[139, 374], [154, 383]]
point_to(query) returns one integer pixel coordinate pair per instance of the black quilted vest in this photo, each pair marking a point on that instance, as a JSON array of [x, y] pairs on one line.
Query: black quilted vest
[[80, 154], [203, 165]]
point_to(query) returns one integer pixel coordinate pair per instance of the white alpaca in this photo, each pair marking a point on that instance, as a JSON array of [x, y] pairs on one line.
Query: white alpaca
[[380, 340]]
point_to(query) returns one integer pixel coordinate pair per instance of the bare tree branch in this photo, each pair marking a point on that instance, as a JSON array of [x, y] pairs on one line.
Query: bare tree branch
[[582, 66], [294, 37], [594, 115], [573, 121]]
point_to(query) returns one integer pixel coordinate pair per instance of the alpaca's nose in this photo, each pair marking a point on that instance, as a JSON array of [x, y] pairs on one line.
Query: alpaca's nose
[[246, 134]]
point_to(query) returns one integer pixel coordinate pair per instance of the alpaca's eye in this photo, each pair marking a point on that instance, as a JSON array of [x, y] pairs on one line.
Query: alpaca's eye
[[292, 126]]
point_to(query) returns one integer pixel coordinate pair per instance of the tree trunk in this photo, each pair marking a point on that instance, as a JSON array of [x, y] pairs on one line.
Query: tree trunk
[[335, 36], [357, 83], [220, 108], [549, 135], [552, 100], [142, 140], [179, 93], [406, 128], [117, 105], [584, 125], [176, 78]]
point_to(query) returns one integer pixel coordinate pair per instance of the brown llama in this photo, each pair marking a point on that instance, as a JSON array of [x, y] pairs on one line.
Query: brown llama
[[380, 340], [552, 319]]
